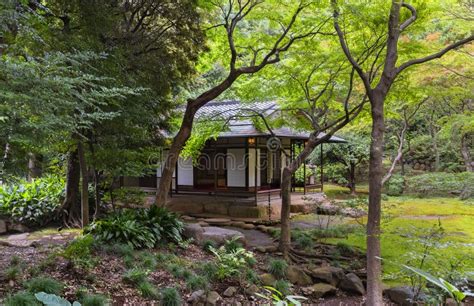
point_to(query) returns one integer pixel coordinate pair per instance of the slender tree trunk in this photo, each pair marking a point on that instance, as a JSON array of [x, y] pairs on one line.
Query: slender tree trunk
[[352, 183], [466, 154], [434, 143], [169, 167], [285, 236], [374, 266], [34, 166], [70, 208], [84, 185]]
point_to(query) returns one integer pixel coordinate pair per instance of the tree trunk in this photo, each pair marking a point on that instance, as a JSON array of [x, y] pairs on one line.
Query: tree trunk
[[34, 167], [84, 186], [169, 167], [70, 208], [466, 154], [374, 266], [434, 143], [285, 236], [352, 183]]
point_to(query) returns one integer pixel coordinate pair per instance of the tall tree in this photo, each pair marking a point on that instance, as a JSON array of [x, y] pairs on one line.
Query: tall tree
[[377, 91], [254, 34]]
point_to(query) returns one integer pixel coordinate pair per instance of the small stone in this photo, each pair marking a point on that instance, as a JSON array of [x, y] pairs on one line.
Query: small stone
[[237, 224], [212, 298], [328, 274], [18, 228], [297, 276], [188, 218], [203, 224], [252, 289], [193, 230], [262, 227], [401, 295], [267, 279], [319, 290], [230, 291], [261, 249], [196, 296], [248, 226], [352, 283], [217, 221]]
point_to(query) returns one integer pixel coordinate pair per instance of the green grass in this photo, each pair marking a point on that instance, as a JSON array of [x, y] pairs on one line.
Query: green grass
[[414, 214]]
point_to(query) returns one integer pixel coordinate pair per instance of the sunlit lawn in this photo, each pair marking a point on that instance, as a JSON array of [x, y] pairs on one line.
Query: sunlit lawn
[[412, 214]]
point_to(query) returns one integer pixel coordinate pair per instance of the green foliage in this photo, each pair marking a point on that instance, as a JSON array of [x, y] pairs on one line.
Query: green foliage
[[279, 298], [139, 228], [54, 300], [442, 184], [395, 185], [197, 282], [344, 249], [33, 203], [22, 298], [282, 286], [304, 241], [135, 276], [232, 244], [120, 249], [12, 273], [94, 300], [170, 297], [231, 263], [209, 269], [251, 276], [277, 267], [207, 244], [44, 284], [147, 260], [133, 196], [447, 287], [147, 290], [79, 251]]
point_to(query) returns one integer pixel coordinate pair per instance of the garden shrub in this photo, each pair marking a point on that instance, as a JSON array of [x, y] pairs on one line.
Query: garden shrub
[[231, 263], [32, 203], [79, 251], [12, 273], [283, 286], [195, 282], [22, 299], [147, 290], [208, 243], [442, 184], [139, 228], [170, 297], [208, 269], [277, 267], [44, 284], [395, 185], [94, 300], [135, 276]]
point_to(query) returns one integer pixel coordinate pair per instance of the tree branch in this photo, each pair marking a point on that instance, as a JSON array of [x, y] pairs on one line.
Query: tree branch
[[435, 55]]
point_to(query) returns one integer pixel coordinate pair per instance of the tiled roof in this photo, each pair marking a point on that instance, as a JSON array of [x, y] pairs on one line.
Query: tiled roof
[[238, 126]]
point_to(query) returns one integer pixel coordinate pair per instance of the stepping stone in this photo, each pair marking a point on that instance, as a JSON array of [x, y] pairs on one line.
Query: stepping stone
[[220, 235], [218, 221], [248, 226], [18, 236]]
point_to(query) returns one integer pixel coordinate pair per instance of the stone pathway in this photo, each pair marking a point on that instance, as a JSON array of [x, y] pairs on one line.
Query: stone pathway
[[254, 237]]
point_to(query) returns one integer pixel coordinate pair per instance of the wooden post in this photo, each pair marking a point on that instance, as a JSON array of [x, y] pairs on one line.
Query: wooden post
[[304, 177], [256, 169], [246, 161], [322, 168]]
